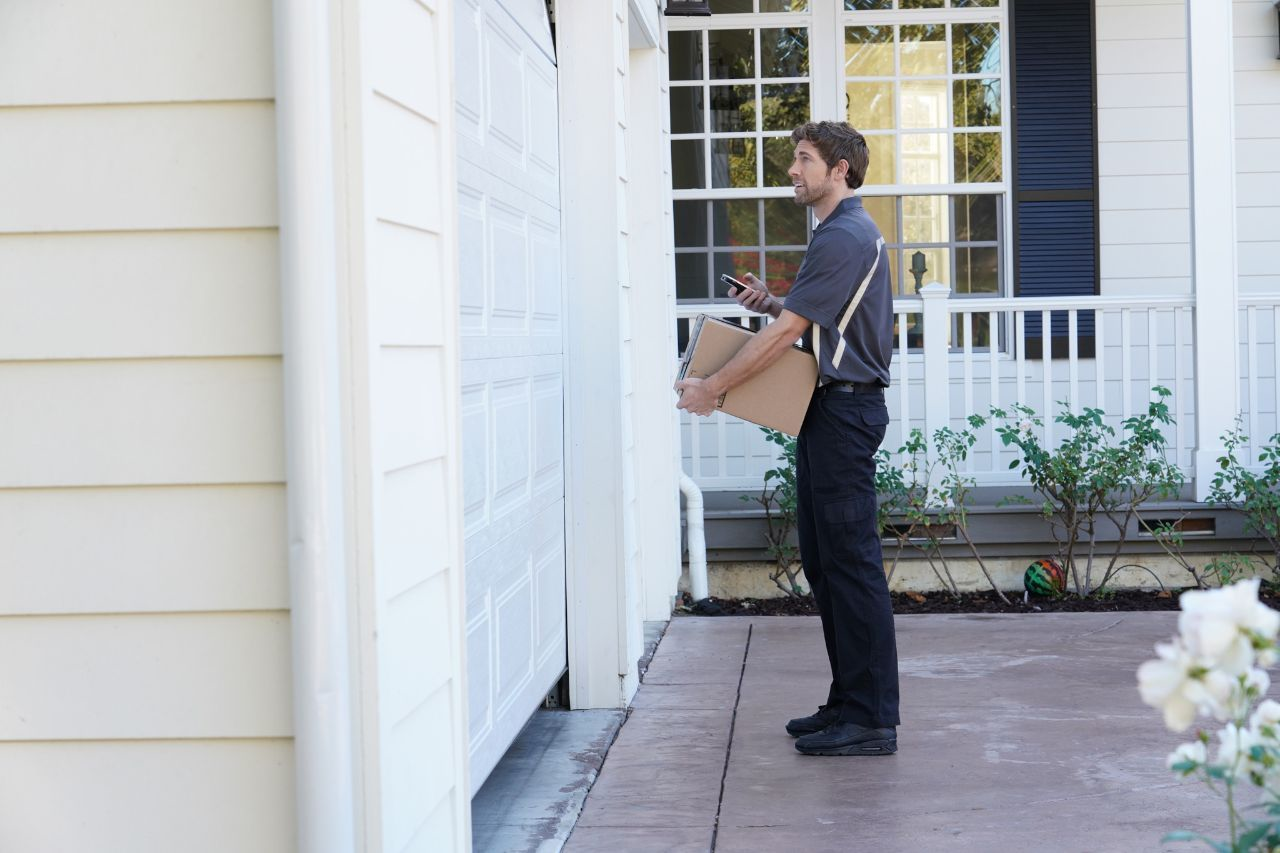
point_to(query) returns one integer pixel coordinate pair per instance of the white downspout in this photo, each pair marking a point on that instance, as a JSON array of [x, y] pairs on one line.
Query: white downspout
[[322, 721], [697, 537]]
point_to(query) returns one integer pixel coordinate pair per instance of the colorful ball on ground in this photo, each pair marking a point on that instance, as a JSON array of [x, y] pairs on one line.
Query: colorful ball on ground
[[1044, 577]]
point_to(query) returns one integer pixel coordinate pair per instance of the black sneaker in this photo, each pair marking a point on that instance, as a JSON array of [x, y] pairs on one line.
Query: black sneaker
[[812, 723], [849, 739]]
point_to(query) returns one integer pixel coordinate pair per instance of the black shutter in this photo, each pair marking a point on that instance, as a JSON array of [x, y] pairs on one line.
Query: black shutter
[[1055, 172]]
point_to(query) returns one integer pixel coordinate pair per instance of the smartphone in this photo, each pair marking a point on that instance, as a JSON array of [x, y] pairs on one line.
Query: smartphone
[[734, 284]]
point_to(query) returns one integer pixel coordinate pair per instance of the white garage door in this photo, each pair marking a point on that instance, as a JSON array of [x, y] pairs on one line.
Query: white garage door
[[509, 265]]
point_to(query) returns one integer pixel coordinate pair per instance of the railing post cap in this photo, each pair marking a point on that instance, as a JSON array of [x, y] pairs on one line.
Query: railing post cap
[[935, 290]]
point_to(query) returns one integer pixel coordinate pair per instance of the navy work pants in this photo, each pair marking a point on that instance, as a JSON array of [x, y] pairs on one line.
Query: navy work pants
[[840, 551]]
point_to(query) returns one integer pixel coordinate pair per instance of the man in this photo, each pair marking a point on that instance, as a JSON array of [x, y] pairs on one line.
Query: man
[[842, 304]]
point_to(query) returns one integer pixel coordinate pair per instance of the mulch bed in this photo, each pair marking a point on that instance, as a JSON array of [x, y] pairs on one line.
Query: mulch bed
[[968, 602]]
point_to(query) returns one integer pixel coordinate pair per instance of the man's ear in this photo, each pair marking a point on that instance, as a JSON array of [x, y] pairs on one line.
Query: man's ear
[[841, 168]]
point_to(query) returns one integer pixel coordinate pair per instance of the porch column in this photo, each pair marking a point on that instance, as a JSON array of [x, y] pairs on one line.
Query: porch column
[[1213, 231], [591, 43]]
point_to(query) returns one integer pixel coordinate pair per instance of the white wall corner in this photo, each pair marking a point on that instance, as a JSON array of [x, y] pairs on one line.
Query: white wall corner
[[650, 249], [591, 45], [1211, 132]]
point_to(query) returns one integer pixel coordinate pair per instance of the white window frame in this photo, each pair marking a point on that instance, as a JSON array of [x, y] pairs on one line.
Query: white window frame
[[826, 20]]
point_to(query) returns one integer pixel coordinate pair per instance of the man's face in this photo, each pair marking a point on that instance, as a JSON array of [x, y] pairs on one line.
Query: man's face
[[812, 180]]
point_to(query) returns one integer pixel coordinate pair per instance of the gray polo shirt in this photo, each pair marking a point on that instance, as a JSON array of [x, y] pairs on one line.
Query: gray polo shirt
[[846, 257]]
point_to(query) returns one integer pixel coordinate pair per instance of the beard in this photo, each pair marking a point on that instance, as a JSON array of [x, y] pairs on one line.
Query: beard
[[807, 195]]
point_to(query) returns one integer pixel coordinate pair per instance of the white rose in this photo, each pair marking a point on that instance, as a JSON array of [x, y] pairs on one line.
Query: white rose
[[1233, 751], [1217, 624], [1166, 682], [1024, 426], [1194, 752], [1267, 714]]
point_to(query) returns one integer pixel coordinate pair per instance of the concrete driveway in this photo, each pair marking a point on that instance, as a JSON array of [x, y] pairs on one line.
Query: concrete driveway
[[1019, 733]]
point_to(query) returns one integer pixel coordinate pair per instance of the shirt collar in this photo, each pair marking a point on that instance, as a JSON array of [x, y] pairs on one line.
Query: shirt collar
[[853, 202]]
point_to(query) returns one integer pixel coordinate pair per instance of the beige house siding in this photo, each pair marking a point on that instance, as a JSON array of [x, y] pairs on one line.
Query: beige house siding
[[1257, 85], [1143, 162], [144, 632]]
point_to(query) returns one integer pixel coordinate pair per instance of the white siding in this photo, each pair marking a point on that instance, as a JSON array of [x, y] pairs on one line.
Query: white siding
[[143, 582], [1257, 93], [1143, 172], [397, 165], [655, 434]]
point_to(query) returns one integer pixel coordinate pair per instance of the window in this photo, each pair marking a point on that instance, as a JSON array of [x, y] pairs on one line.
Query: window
[[924, 81], [736, 94]]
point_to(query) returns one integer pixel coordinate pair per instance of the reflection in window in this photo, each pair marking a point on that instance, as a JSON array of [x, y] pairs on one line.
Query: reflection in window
[[763, 236], [731, 53], [733, 162], [784, 53]]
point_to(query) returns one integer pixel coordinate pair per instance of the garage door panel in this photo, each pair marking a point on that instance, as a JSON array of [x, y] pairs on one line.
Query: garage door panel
[[468, 79], [512, 366], [504, 96], [473, 261], [516, 632], [509, 249]]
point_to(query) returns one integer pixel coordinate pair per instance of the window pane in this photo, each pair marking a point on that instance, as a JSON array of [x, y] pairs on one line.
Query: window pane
[[686, 165], [977, 103], [976, 217], [785, 222], [686, 109], [977, 158], [964, 3], [730, 7], [860, 5], [733, 162], [924, 103], [685, 51], [736, 222], [784, 53], [920, 4], [975, 48], [924, 49], [924, 219], [784, 106], [937, 266], [870, 105], [735, 264], [924, 158], [690, 223], [977, 270], [732, 53], [780, 270], [884, 212], [691, 276], [880, 170], [733, 108], [784, 5], [868, 51], [980, 329], [779, 151]]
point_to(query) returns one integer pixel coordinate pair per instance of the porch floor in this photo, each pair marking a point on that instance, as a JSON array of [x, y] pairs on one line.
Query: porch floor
[[1018, 733]]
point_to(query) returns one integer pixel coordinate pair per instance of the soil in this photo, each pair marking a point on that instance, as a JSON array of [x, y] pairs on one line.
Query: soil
[[967, 602]]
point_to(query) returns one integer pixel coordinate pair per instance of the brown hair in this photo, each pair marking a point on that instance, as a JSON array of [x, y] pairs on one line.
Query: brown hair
[[836, 141]]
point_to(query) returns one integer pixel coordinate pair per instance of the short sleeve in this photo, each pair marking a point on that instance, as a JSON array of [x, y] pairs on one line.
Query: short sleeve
[[822, 285]]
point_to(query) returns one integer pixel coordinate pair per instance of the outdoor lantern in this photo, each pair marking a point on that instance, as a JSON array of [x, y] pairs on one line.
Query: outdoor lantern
[[918, 269], [690, 8]]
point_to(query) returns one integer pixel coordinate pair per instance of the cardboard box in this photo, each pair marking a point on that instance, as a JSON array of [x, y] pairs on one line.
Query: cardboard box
[[776, 397]]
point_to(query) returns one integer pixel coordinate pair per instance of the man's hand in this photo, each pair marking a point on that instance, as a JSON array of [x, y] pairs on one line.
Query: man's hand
[[697, 396], [755, 297]]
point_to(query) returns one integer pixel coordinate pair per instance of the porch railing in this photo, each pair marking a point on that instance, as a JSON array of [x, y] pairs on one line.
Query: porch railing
[[960, 356]]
